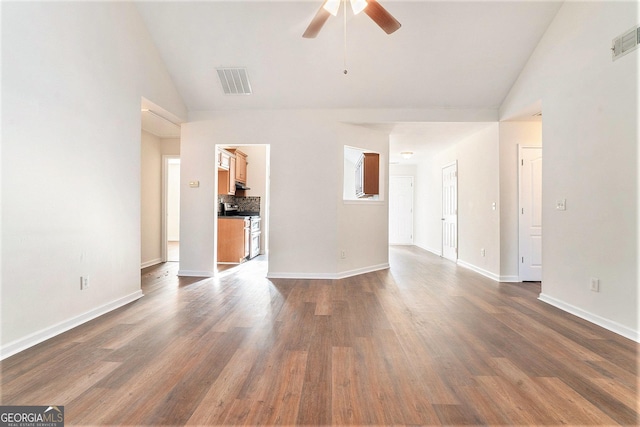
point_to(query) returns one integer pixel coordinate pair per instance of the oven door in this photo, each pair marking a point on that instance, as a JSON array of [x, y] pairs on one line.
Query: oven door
[[255, 224]]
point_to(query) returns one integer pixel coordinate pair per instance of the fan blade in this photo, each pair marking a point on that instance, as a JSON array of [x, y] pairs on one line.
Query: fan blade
[[381, 17], [316, 23]]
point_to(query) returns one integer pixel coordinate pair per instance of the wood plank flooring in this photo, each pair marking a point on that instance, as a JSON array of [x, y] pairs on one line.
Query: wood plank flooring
[[424, 343]]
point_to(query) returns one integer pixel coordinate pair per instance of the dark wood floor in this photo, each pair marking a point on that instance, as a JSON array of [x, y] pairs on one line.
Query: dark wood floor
[[424, 343]]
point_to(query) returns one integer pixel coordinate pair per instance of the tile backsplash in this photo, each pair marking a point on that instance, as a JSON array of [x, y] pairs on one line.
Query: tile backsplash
[[245, 204]]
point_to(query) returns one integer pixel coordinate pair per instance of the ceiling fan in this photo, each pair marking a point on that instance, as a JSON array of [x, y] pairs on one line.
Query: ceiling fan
[[371, 7]]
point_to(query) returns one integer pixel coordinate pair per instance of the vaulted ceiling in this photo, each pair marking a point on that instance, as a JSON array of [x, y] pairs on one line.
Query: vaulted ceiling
[[448, 54]]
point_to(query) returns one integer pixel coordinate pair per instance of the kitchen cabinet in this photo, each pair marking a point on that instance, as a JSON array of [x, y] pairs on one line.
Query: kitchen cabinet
[[224, 159], [234, 239], [368, 175], [241, 166], [226, 178]]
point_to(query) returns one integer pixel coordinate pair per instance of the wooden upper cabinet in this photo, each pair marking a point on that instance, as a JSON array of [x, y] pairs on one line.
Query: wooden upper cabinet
[[223, 159], [241, 166], [368, 175], [233, 165], [226, 173]]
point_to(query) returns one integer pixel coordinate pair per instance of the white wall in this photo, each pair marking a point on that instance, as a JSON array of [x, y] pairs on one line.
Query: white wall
[[590, 136], [427, 210], [72, 84], [306, 153], [478, 190], [402, 170], [150, 200], [363, 225]]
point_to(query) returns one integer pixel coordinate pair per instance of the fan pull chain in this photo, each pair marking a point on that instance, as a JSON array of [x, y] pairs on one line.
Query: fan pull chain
[[345, 36]]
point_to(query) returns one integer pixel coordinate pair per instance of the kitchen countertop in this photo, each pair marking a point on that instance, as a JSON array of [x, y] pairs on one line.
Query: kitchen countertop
[[239, 216]]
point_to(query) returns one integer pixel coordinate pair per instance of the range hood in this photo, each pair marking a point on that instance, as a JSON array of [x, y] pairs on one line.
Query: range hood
[[241, 186]]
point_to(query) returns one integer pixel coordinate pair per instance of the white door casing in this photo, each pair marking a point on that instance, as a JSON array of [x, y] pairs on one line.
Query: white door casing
[[450, 211], [400, 210], [530, 213]]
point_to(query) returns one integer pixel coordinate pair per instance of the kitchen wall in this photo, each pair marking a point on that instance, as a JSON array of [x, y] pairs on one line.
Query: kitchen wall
[[72, 84], [363, 225], [306, 163], [590, 135], [245, 204]]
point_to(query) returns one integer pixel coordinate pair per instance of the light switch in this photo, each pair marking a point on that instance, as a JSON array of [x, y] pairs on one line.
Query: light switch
[[194, 184], [561, 205]]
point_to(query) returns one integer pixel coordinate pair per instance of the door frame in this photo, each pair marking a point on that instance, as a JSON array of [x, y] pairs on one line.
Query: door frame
[[448, 165], [521, 148], [165, 202]]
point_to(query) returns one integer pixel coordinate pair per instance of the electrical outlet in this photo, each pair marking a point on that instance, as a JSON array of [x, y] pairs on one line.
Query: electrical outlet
[[561, 204], [343, 254], [84, 282], [595, 284], [483, 252]]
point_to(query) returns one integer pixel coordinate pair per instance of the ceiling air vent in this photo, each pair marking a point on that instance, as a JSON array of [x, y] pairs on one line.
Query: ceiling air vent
[[625, 43], [234, 81]]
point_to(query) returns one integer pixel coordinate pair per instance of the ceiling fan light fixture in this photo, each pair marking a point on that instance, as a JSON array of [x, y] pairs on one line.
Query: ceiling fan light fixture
[[332, 6], [406, 154], [358, 6]]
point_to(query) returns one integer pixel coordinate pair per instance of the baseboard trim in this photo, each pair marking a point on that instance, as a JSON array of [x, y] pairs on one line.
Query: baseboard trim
[[328, 276], [195, 273], [512, 279], [479, 270], [57, 329], [593, 318], [150, 263], [364, 270]]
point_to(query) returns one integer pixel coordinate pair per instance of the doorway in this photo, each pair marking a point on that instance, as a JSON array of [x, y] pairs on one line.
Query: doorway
[[530, 213], [400, 210], [171, 208], [450, 211], [249, 198]]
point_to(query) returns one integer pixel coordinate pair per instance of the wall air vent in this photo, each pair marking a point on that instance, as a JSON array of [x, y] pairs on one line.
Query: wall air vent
[[235, 81], [625, 43]]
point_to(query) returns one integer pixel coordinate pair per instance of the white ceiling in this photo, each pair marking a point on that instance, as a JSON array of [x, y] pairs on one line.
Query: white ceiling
[[448, 54]]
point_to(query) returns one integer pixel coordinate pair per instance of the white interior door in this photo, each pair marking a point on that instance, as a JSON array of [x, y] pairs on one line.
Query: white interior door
[[450, 211], [530, 205], [400, 210]]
